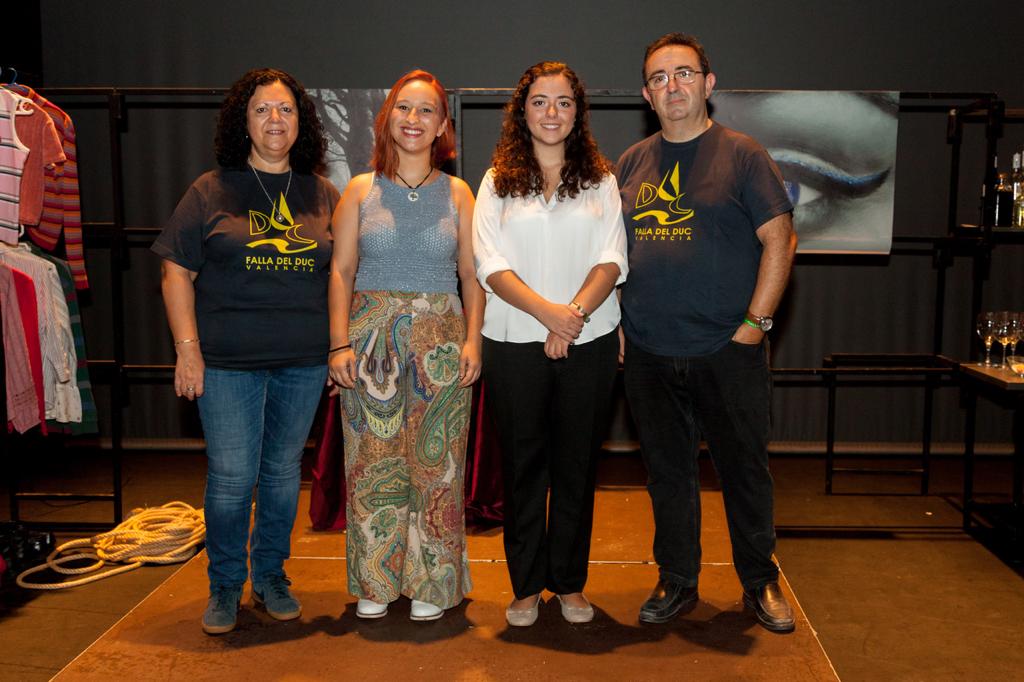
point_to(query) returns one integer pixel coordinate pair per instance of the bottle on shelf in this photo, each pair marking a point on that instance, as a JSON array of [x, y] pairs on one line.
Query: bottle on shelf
[[1017, 185], [1004, 202]]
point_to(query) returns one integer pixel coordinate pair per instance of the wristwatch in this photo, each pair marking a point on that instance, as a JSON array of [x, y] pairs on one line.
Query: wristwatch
[[762, 322]]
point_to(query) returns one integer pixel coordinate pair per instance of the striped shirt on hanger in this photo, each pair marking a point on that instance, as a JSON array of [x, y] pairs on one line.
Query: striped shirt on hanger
[[13, 155]]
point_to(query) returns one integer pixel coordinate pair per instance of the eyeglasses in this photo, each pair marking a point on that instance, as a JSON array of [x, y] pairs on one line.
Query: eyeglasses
[[682, 76]]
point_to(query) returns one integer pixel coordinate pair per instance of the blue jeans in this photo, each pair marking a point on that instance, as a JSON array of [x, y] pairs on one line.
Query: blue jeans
[[726, 397], [256, 423]]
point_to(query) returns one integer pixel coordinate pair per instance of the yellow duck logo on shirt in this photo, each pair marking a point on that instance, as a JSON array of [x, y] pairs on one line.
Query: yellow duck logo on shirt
[[648, 194], [292, 242]]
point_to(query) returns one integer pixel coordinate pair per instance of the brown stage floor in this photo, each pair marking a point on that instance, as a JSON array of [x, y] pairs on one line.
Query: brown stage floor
[[161, 638]]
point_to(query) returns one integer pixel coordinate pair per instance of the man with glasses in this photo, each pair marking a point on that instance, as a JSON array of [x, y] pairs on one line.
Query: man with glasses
[[711, 244]]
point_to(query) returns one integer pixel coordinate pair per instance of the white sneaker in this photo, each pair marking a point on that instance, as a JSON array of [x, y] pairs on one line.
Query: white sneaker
[[421, 610], [367, 608]]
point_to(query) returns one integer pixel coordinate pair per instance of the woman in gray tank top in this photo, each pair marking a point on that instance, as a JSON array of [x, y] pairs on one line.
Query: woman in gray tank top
[[405, 356]]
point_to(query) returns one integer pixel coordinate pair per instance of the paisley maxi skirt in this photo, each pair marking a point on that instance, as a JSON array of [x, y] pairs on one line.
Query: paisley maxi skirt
[[405, 428]]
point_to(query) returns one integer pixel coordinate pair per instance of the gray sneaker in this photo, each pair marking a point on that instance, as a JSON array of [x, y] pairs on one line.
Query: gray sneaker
[[275, 596], [222, 610]]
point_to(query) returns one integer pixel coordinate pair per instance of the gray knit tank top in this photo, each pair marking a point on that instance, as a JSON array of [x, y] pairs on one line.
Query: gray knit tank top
[[408, 245]]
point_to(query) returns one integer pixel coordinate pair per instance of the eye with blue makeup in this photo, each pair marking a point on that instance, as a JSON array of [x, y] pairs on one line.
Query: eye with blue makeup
[[836, 151], [816, 187]]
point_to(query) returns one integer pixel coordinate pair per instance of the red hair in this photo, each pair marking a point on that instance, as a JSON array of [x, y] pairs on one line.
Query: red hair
[[385, 157]]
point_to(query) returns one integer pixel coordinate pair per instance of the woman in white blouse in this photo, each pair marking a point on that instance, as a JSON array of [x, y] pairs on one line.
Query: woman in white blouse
[[549, 246]]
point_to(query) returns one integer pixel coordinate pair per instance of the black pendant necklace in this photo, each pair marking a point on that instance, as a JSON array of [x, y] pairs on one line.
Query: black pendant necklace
[[413, 194], [274, 207]]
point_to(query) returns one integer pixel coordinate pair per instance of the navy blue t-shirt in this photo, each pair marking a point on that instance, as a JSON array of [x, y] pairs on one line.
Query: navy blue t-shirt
[[691, 211], [261, 291]]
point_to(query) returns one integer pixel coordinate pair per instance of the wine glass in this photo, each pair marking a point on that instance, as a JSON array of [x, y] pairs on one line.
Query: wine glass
[[1018, 326], [1005, 331], [986, 328], [1014, 331]]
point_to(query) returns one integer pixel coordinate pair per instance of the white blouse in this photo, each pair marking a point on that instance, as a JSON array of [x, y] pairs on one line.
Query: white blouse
[[552, 246]]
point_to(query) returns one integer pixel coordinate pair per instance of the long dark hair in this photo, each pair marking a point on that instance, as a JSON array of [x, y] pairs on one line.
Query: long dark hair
[[232, 144], [516, 171]]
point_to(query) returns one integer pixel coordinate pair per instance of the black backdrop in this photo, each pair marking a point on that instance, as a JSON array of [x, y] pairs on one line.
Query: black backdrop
[[845, 304]]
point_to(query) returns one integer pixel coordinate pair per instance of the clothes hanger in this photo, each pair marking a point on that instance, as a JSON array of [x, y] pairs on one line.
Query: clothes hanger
[[23, 104]]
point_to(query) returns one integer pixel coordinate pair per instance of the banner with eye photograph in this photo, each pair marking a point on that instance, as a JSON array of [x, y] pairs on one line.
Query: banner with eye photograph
[[347, 116], [837, 153]]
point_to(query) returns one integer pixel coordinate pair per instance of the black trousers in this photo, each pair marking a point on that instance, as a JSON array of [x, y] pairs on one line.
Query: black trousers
[[551, 416], [726, 396]]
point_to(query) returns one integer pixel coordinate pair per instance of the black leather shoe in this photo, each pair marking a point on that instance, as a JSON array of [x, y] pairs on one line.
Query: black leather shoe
[[666, 602], [771, 607]]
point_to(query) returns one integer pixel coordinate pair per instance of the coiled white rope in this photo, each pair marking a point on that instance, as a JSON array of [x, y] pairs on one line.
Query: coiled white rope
[[167, 534]]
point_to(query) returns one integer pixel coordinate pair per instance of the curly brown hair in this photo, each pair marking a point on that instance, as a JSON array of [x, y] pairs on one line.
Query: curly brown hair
[[232, 144], [516, 171]]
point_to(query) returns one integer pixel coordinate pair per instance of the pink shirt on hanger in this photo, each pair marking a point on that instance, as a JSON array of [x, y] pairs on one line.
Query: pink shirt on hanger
[[22, 358], [37, 132], [13, 155], [62, 212]]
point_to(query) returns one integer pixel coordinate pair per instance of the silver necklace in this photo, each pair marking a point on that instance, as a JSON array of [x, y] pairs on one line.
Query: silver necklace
[[413, 194], [274, 207]]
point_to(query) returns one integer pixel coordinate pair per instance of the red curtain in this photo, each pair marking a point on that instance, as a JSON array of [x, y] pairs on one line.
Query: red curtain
[[483, 468]]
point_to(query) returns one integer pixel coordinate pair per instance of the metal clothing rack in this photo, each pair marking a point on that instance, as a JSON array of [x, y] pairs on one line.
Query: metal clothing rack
[[960, 108], [113, 371]]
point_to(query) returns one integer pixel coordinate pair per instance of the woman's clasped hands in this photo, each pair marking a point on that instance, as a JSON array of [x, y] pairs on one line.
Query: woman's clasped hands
[[564, 324]]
